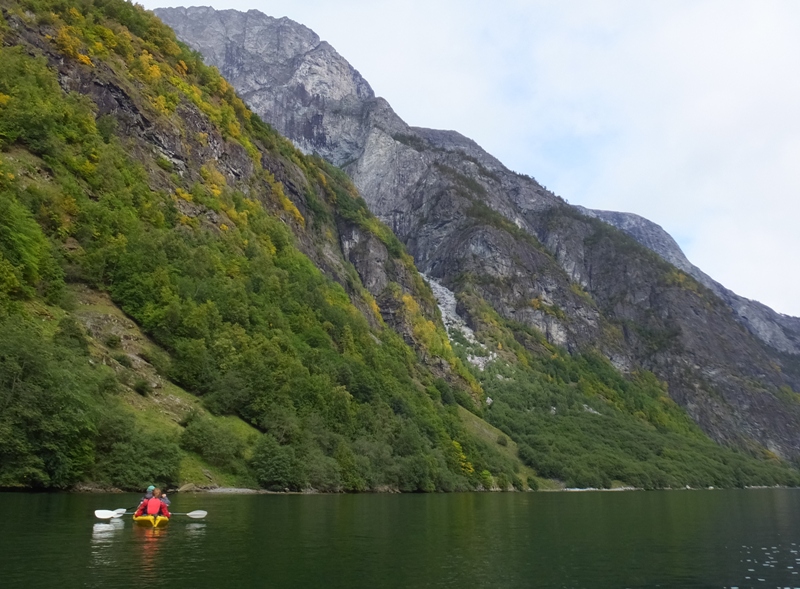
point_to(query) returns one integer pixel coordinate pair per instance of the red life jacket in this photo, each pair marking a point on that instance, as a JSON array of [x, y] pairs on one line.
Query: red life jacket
[[153, 506]]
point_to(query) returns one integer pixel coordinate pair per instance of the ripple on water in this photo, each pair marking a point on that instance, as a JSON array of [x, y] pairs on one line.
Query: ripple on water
[[782, 559]]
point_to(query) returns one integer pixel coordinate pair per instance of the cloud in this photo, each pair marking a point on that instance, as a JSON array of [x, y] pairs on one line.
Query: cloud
[[684, 112]]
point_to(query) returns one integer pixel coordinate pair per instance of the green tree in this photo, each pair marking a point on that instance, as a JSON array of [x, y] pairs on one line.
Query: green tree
[[275, 466]]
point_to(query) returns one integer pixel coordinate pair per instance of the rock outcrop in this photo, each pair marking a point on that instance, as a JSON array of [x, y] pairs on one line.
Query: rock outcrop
[[472, 224]]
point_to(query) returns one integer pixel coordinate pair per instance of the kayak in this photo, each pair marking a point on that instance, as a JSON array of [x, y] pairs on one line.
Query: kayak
[[151, 521]]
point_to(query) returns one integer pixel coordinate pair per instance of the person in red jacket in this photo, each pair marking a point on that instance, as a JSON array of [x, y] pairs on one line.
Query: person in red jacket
[[153, 506]]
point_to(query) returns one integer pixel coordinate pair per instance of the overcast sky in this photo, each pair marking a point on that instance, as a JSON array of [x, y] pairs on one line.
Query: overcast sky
[[685, 112]]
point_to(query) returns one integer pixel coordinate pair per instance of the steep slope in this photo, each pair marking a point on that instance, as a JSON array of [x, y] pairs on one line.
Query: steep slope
[[131, 171], [779, 331], [485, 231]]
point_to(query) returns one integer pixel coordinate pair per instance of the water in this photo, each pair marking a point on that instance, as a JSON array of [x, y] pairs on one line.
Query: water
[[677, 539]]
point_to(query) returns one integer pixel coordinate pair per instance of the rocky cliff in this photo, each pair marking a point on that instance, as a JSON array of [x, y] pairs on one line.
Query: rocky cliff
[[779, 331], [483, 230]]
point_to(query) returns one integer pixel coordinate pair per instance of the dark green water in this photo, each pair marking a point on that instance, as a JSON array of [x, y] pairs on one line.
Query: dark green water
[[680, 539]]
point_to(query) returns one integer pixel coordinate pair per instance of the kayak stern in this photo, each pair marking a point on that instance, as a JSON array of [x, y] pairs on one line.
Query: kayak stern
[[151, 521]]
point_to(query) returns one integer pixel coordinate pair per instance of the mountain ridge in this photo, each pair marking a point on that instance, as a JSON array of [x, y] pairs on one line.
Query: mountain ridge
[[765, 323]]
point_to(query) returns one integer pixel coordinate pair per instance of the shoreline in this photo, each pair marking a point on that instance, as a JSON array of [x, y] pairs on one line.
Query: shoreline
[[91, 488]]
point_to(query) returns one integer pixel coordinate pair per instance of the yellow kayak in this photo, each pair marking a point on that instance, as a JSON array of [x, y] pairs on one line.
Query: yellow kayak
[[151, 521]]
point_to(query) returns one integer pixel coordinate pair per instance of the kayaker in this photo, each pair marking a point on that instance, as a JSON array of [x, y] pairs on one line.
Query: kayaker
[[153, 506], [149, 495]]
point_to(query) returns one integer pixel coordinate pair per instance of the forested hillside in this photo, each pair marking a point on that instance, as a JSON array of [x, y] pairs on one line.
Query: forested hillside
[[186, 297], [130, 168]]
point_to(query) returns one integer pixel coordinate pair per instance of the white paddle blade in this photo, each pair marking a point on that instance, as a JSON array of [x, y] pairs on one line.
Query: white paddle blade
[[198, 514], [105, 514], [119, 512]]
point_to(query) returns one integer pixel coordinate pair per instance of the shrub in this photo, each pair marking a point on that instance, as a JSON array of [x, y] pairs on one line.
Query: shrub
[[275, 466], [142, 387], [486, 480], [213, 442], [123, 360], [503, 481], [70, 334]]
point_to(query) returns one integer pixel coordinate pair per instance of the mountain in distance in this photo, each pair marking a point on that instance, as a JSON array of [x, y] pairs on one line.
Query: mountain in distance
[[503, 242]]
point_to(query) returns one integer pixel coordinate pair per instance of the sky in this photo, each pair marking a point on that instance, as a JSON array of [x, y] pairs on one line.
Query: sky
[[684, 112]]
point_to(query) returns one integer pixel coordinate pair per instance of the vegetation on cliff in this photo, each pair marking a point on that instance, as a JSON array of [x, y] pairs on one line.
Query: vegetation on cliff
[[200, 244], [578, 420]]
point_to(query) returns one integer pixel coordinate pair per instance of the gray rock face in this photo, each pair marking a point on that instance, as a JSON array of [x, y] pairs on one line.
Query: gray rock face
[[315, 97], [470, 223], [782, 332]]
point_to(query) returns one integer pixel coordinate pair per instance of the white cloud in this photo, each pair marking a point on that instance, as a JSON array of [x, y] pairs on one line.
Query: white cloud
[[685, 112]]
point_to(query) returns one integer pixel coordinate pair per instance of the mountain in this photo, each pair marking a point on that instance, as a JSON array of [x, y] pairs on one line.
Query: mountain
[[181, 292], [496, 237], [188, 299]]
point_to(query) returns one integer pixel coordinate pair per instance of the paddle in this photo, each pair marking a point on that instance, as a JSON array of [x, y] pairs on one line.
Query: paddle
[[108, 514]]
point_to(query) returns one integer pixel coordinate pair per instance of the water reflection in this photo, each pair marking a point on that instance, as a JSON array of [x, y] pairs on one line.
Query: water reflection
[[104, 533], [149, 545], [195, 530]]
